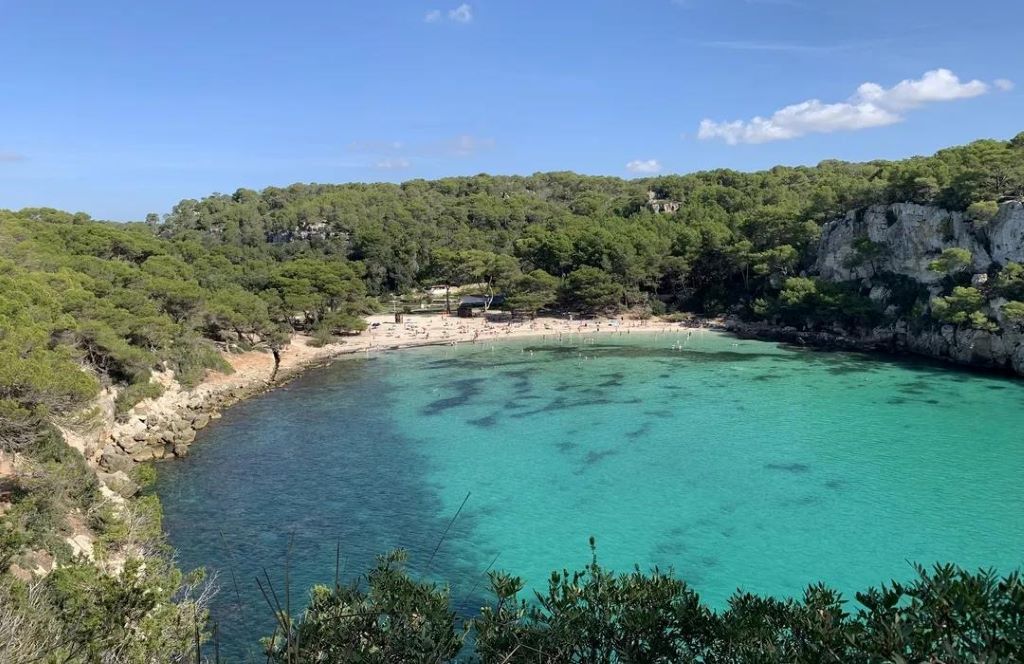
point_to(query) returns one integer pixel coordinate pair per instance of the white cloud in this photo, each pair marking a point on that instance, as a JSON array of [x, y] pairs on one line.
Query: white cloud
[[375, 147], [11, 157], [934, 86], [1004, 84], [644, 166], [394, 154], [870, 106], [809, 117], [466, 145], [394, 164], [461, 14]]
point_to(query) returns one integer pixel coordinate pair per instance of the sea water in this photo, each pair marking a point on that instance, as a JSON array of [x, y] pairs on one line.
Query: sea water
[[739, 464]]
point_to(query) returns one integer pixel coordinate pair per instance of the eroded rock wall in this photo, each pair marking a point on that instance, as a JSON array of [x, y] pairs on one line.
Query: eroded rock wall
[[910, 237]]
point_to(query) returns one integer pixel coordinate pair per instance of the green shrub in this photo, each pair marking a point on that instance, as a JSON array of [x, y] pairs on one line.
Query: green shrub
[[144, 474], [321, 337], [192, 357], [983, 211], [1009, 282], [807, 300], [343, 323], [66, 472], [1014, 312], [56, 482], [961, 307], [952, 261], [132, 613], [866, 252], [945, 614], [132, 394], [396, 619]]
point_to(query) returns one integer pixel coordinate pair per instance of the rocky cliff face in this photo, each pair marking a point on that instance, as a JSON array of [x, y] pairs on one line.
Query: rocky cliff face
[[911, 236], [903, 239]]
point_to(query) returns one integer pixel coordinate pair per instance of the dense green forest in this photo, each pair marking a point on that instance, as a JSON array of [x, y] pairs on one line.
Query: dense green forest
[[709, 242], [88, 305], [730, 228]]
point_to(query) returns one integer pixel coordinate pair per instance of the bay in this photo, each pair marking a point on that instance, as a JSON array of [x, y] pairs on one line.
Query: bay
[[739, 464]]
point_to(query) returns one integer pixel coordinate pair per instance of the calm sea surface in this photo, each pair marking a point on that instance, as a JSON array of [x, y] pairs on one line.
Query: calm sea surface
[[740, 464]]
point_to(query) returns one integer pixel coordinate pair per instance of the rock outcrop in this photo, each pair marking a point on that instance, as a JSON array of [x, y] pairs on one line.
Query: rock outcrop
[[869, 245], [661, 205], [162, 427], [1005, 234], [166, 426], [910, 236]]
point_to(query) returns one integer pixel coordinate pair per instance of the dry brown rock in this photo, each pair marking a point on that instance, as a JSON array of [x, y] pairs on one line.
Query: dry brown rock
[[19, 572], [119, 483], [115, 461]]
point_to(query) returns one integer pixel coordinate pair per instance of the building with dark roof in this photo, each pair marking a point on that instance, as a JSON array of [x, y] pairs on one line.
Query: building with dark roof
[[468, 304]]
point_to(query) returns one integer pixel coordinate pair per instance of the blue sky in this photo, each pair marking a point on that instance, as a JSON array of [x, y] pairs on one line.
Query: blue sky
[[122, 107]]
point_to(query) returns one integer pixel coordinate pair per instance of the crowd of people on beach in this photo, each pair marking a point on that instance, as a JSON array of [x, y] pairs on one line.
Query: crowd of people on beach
[[385, 332]]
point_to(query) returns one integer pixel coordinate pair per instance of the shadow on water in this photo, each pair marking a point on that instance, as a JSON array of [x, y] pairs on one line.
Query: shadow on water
[[788, 467], [277, 471], [466, 389], [485, 422], [595, 457], [640, 432], [562, 404]]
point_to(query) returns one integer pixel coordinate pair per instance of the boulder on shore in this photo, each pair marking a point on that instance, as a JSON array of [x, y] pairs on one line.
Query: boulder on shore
[[119, 483], [114, 460]]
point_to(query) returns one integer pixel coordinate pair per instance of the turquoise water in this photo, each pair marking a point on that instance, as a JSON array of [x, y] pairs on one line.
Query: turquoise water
[[740, 464]]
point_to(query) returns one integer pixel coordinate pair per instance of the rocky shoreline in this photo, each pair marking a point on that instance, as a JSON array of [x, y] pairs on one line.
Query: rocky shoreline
[[166, 427], [967, 348]]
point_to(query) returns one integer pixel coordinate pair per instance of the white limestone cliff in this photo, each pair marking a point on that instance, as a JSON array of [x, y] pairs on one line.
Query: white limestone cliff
[[908, 237]]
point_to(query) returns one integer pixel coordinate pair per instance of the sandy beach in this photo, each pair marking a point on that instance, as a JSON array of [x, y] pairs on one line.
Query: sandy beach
[[384, 334]]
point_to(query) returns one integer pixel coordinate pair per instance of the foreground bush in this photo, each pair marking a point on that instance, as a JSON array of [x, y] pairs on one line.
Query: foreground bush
[[946, 615], [396, 619]]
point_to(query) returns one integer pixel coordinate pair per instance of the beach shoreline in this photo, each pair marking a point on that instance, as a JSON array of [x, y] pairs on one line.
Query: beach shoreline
[[166, 426]]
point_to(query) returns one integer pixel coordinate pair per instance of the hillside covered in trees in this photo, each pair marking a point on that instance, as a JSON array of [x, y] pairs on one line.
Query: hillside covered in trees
[[730, 233], [87, 306]]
